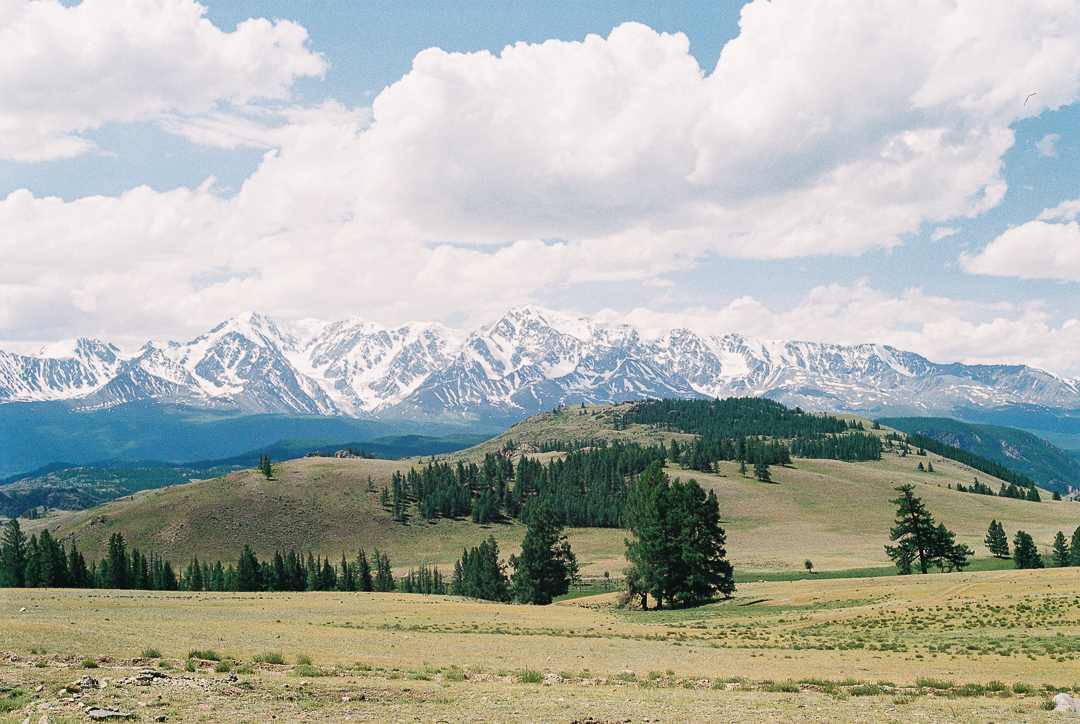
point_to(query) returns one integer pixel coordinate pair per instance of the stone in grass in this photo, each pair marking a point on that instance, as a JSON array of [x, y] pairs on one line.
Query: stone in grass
[[103, 714], [1064, 702]]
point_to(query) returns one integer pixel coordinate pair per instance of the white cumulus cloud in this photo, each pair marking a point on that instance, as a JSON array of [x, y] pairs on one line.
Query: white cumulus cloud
[[65, 70]]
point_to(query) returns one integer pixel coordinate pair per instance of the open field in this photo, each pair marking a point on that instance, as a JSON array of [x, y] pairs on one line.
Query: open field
[[986, 646], [836, 514]]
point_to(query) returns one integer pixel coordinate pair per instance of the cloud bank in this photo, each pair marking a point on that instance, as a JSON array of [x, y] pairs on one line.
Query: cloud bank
[[479, 181]]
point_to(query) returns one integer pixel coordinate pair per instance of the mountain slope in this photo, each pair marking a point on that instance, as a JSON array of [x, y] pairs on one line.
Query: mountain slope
[[528, 361], [1023, 452]]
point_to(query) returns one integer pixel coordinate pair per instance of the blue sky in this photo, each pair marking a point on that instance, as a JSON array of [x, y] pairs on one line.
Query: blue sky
[[826, 170]]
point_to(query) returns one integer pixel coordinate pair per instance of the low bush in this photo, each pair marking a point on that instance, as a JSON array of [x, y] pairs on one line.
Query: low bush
[[150, 653], [270, 657]]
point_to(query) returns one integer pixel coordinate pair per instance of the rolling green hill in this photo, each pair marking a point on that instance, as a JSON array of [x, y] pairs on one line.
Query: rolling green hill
[[1022, 452], [835, 513]]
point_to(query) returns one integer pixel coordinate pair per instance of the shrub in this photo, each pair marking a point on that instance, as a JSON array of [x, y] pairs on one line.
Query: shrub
[[204, 654], [309, 670], [1021, 688], [454, 674], [222, 667], [189, 665], [530, 676], [996, 686], [245, 669], [303, 660], [150, 653], [780, 687], [924, 682], [867, 690], [88, 663], [41, 663], [1048, 704], [270, 657]]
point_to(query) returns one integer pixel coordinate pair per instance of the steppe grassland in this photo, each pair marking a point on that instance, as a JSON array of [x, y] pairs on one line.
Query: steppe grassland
[[434, 657]]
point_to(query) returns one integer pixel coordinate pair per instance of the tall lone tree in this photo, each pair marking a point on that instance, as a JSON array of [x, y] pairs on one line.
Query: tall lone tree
[[1061, 550], [996, 540], [678, 551], [919, 542], [547, 566], [1025, 552]]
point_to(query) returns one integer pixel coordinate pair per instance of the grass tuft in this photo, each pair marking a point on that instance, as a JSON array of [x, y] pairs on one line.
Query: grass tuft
[[88, 662], [150, 653], [303, 660], [531, 676], [204, 654], [270, 657]]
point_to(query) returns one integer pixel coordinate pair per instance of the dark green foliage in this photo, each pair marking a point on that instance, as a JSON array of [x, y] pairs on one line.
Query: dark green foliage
[[1025, 553], [547, 566], [425, 580], [920, 543], [761, 471], [735, 429], [479, 575], [364, 581], [1074, 548], [265, 467], [248, 574], [975, 487], [1062, 555], [13, 556], [383, 579], [996, 540], [117, 573], [679, 548]]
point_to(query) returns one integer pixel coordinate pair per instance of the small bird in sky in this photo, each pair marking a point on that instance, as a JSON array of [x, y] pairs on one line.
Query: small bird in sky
[[1026, 99]]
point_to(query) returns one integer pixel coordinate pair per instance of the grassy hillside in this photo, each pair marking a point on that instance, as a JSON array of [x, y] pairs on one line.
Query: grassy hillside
[[1022, 452], [834, 513]]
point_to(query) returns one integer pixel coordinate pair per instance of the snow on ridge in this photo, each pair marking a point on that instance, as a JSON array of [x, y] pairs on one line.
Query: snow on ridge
[[530, 356]]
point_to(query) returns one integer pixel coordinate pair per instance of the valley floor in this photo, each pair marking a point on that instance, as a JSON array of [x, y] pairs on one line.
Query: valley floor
[[977, 646]]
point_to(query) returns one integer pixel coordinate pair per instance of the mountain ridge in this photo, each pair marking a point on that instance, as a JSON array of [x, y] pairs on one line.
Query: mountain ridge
[[529, 360]]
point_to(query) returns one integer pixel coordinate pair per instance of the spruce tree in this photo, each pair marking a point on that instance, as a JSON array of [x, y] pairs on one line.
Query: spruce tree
[[1025, 552], [1074, 548], [248, 571], [678, 551], [996, 540], [547, 566], [1061, 550], [118, 573], [363, 573], [13, 556]]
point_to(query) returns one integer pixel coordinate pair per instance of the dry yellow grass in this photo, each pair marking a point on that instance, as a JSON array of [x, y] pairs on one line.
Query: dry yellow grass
[[401, 652]]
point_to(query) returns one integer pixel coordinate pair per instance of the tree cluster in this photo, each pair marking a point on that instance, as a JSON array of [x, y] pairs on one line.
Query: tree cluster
[[677, 555], [920, 544], [480, 575]]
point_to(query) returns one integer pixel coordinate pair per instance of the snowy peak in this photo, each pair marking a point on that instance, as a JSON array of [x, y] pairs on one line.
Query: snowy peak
[[531, 359]]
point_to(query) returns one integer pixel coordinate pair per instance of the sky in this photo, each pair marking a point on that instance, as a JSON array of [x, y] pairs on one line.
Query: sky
[[842, 171]]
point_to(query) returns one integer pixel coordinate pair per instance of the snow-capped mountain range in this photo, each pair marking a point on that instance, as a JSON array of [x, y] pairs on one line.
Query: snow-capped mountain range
[[528, 361]]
